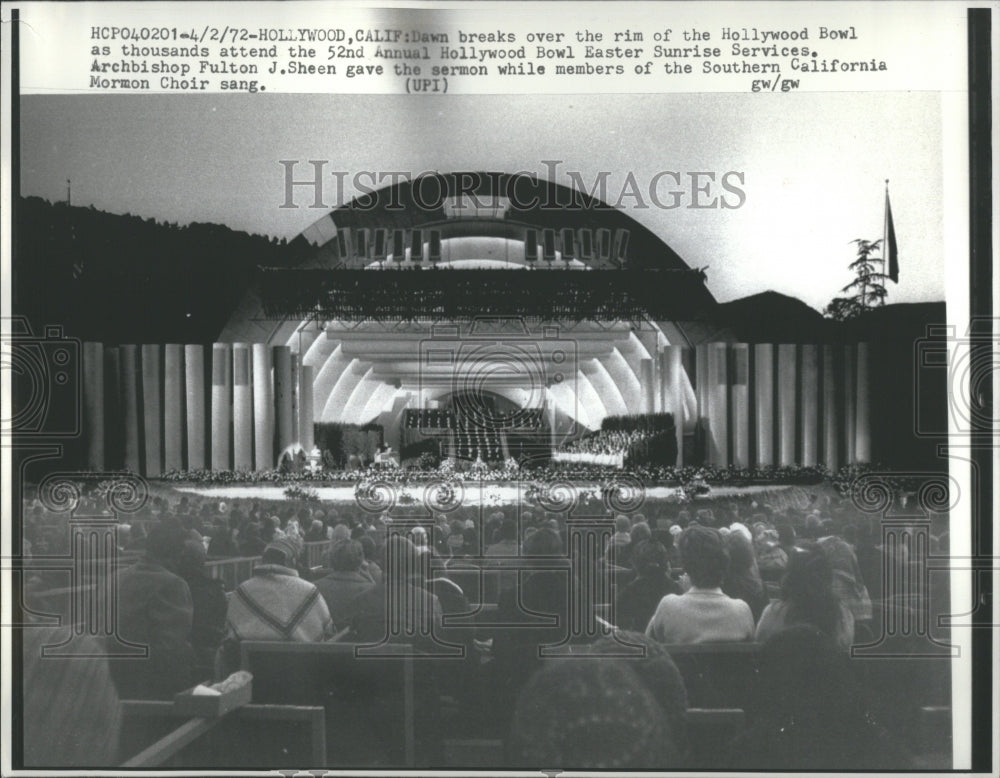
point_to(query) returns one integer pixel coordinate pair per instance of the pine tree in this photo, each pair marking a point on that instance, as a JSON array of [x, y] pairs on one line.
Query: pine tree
[[868, 287]]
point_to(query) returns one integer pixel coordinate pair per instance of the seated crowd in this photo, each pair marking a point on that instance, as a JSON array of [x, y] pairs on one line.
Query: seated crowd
[[791, 580], [606, 442]]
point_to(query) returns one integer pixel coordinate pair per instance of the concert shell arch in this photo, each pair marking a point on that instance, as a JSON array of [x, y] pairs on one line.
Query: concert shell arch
[[539, 293]]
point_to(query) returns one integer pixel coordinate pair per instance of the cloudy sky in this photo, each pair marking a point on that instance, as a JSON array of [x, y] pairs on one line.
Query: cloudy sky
[[813, 166]]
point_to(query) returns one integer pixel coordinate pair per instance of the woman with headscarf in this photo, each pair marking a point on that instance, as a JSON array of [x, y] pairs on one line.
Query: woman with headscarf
[[743, 580], [848, 584], [807, 596]]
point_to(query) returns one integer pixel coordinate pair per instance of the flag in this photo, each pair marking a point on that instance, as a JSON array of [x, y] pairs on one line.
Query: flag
[[889, 250]]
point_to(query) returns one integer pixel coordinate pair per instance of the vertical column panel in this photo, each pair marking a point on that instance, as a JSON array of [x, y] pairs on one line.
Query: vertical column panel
[[702, 423], [646, 384], [173, 407], [152, 408], [295, 396], [739, 398], [787, 375], [831, 439], [306, 407], [674, 393], [284, 420], [222, 409], [263, 408], [849, 420], [130, 407], [114, 414], [718, 404], [242, 408], [93, 404], [763, 401], [194, 386], [809, 390], [862, 435]]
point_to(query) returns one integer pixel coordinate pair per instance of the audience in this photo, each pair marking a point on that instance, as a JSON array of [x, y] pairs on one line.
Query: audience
[[155, 610], [276, 604], [704, 613], [807, 596], [743, 580], [636, 603], [604, 709], [208, 598], [346, 583]]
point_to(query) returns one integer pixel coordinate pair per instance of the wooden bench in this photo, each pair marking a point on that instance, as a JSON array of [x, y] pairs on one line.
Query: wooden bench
[[370, 700], [254, 736]]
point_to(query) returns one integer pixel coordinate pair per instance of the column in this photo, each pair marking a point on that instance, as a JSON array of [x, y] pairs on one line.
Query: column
[[702, 422], [650, 341], [194, 386], [242, 408], [130, 407], [263, 408], [222, 409], [809, 387], [763, 400], [284, 431], [717, 393], [673, 393], [831, 440], [739, 400], [849, 418], [306, 408], [786, 404], [152, 408], [646, 386], [93, 404], [114, 416], [862, 435], [294, 366], [173, 407]]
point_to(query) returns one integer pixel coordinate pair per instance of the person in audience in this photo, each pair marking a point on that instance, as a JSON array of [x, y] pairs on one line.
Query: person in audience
[[369, 566], [743, 580], [810, 712], [71, 714], [251, 543], [415, 612], [345, 583], [208, 599], [807, 596], [590, 713], [704, 613], [847, 581], [636, 603], [155, 610], [275, 603], [772, 560]]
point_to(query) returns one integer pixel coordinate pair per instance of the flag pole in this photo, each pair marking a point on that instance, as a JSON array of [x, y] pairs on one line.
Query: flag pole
[[885, 228]]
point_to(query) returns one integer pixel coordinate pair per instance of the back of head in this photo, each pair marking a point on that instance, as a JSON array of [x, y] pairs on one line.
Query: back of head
[[641, 532], [704, 556], [652, 558], [347, 556], [508, 530], [281, 551], [594, 714], [165, 542], [544, 542]]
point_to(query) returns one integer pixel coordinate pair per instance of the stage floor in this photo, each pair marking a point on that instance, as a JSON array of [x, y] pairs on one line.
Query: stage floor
[[485, 493]]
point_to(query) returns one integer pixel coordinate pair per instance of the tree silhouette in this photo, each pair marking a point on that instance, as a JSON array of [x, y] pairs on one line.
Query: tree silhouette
[[867, 288]]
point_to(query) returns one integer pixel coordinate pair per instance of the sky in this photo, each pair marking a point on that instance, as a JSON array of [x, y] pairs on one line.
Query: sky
[[813, 166]]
